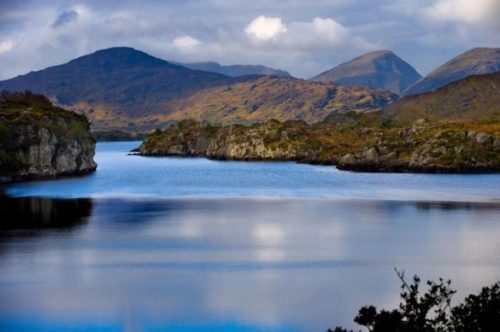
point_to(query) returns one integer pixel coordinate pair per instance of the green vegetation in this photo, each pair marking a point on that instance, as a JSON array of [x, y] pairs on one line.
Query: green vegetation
[[24, 117], [116, 135], [475, 98], [432, 311], [374, 143], [454, 129]]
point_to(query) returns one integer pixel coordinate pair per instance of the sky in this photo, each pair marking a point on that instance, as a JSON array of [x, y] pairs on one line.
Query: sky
[[304, 37]]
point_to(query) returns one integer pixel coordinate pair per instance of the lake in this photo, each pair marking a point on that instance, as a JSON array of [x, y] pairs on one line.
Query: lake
[[190, 244]]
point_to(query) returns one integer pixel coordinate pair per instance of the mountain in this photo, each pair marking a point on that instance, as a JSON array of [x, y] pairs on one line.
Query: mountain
[[473, 62], [235, 70], [125, 89], [379, 69], [472, 99], [281, 98], [455, 129], [122, 79]]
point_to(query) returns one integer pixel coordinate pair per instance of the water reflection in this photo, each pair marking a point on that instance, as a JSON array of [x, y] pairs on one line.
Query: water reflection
[[31, 213], [450, 206], [231, 264]]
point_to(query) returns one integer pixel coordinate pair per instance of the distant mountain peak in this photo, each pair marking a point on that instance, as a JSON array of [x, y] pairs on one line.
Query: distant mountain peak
[[235, 70], [476, 61], [120, 77], [380, 69], [121, 56]]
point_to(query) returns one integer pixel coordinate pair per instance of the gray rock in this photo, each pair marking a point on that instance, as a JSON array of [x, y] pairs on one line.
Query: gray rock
[[370, 154], [347, 159], [48, 153], [483, 139]]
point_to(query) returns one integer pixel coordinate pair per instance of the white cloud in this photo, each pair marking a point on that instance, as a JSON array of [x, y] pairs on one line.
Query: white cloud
[[303, 37], [322, 34], [6, 45], [464, 11], [186, 43], [265, 28], [319, 34]]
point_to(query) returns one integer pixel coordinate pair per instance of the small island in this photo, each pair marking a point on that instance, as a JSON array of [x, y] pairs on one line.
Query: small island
[[41, 141]]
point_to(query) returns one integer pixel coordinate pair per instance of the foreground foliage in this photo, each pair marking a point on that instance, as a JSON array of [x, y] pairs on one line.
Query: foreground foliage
[[432, 310]]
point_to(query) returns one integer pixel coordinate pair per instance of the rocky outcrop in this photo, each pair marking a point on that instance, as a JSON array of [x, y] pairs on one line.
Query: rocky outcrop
[[424, 148], [266, 141], [420, 147], [39, 141]]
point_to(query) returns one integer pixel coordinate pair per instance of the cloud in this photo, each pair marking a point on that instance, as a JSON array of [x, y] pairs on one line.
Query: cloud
[[323, 34], [319, 34], [186, 43], [64, 18], [265, 28], [6, 45], [481, 12], [302, 37]]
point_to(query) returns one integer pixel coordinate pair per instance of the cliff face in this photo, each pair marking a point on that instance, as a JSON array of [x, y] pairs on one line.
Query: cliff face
[[267, 141], [38, 140], [365, 145]]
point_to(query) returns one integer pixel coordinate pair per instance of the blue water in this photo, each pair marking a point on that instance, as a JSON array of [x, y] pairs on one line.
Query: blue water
[[122, 175], [169, 244]]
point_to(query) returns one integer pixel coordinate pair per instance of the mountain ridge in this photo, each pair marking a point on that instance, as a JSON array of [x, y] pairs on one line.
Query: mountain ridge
[[474, 98], [126, 89], [378, 69], [476, 61], [122, 77], [236, 70]]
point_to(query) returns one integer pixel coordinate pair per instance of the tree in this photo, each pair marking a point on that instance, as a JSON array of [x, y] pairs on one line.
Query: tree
[[478, 312], [432, 311]]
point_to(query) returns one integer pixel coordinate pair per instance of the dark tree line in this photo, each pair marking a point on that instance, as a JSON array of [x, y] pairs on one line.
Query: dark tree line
[[432, 310]]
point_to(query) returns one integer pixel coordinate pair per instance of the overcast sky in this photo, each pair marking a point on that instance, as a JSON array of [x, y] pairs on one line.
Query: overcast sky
[[303, 37]]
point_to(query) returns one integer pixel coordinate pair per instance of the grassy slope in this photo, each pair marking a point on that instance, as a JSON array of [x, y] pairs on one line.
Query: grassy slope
[[476, 61], [446, 137], [476, 98], [125, 89], [265, 98]]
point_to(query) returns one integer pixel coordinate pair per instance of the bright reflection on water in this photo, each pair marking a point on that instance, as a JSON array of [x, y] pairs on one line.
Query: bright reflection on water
[[198, 245]]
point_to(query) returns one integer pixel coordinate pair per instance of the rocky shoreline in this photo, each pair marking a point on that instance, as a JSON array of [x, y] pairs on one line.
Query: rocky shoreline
[[41, 141], [422, 147]]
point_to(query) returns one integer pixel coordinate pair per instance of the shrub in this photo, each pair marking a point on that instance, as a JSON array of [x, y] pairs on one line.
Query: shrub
[[432, 311]]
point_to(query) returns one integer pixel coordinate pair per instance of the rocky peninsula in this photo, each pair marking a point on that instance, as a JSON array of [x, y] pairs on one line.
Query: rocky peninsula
[[41, 141], [363, 142]]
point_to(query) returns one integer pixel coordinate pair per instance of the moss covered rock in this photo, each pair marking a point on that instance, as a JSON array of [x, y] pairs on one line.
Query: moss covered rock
[[39, 140]]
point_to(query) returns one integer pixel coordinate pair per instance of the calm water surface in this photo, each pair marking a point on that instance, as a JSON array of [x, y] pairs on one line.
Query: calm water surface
[[168, 244]]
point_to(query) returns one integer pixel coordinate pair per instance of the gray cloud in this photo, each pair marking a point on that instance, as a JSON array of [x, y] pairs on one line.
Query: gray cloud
[[311, 36], [64, 18]]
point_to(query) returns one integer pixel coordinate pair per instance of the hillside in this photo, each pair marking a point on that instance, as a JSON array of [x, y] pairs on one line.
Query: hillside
[[454, 129], [121, 79], [235, 70], [265, 98], [473, 98], [125, 89], [380, 70], [476, 61]]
